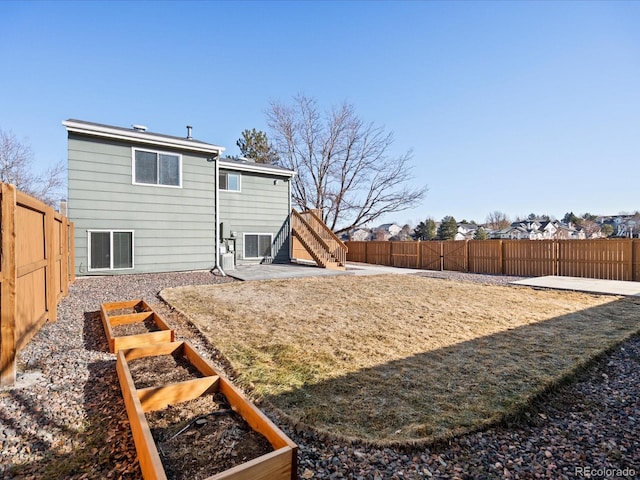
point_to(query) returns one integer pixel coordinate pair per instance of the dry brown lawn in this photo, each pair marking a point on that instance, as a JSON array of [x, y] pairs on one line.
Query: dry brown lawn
[[395, 359]]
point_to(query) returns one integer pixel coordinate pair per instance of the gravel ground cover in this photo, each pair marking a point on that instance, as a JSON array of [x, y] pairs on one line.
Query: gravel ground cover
[[65, 418]]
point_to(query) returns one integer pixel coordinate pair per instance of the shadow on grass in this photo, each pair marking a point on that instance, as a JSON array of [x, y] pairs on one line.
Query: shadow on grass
[[436, 395]]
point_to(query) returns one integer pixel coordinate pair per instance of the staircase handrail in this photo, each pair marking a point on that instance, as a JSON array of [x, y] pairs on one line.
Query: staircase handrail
[[339, 250], [316, 236]]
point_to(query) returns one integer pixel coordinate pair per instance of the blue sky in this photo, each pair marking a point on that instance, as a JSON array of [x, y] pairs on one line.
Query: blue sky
[[514, 106]]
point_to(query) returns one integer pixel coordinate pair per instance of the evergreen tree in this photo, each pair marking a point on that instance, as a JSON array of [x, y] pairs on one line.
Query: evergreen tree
[[570, 217], [481, 234], [448, 228], [425, 230], [255, 145]]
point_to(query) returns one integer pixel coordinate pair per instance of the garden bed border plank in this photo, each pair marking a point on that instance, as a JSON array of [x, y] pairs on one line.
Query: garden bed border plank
[[164, 334], [281, 464]]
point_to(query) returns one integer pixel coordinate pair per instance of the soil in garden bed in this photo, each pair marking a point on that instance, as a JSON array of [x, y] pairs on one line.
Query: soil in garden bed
[[202, 437], [161, 370], [136, 328]]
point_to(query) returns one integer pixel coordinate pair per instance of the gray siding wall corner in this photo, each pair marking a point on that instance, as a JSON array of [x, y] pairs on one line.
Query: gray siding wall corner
[[261, 207], [173, 227]]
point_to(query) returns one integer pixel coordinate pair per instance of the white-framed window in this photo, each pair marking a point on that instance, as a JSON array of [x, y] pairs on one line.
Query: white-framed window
[[257, 245], [110, 249], [150, 167], [229, 181]]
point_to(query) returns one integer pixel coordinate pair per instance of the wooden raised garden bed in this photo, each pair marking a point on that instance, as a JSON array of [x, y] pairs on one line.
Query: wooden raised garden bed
[[198, 415], [133, 323]]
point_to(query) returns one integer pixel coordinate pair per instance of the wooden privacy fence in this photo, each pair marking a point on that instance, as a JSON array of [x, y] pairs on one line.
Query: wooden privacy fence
[[609, 259], [35, 271]]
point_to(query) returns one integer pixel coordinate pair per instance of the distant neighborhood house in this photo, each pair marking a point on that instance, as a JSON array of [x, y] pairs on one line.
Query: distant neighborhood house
[[624, 226], [538, 230]]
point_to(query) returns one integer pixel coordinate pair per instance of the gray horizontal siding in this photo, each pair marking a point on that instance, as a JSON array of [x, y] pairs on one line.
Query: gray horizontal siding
[[260, 207], [173, 227]]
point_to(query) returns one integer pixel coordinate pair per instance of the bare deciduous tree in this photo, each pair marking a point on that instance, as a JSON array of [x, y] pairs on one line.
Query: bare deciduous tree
[[343, 164], [497, 220], [590, 228], [16, 159]]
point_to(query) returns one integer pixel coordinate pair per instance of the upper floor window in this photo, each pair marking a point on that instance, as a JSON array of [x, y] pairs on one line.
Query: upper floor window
[[157, 168], [229, 181]]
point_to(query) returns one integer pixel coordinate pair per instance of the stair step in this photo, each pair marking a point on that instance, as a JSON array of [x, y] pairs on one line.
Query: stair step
[[322, 257]]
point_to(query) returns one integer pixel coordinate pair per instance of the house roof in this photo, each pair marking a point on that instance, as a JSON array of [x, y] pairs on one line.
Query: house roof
[[247, 165], [387, 226], [137, 134], [140, 135]]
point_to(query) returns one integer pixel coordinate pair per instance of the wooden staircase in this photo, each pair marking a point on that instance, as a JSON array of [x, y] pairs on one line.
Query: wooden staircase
[[322, 245]]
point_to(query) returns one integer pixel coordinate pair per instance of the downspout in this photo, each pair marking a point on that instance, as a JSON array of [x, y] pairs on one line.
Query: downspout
[[217, 214]]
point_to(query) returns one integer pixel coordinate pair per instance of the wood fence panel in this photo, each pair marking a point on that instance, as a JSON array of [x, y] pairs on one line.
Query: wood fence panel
[[431, 255], [455, 256], [357, 251], [529, 258], [8, 274], [36, 260], [33, 262], [608, 259], [379, 253], [485, 256], [405, 254]]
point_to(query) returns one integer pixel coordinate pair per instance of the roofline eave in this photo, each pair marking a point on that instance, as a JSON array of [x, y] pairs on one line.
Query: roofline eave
[[141, 137]]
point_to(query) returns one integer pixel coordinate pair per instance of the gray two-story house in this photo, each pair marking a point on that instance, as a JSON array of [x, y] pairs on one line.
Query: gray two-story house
[[145, 202]]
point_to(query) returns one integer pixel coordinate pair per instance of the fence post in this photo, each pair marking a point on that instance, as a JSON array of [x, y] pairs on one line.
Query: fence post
[[71, 253], [629, 266], [635, 260], [64, 258], [8, 348], [466, 254], [50, 257], [501, 257]]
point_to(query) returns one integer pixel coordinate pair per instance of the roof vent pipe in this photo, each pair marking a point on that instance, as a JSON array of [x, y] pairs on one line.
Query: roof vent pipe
[[189, 127]]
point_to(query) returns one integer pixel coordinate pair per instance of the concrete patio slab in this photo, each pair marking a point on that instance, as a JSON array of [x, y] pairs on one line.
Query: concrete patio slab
[[590, 285], [279, 271], [295, 270]]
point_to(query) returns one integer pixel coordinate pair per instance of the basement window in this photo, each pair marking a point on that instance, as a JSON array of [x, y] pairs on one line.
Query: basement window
[[110, 250], [229, 181], [157, 168], [257, 245]]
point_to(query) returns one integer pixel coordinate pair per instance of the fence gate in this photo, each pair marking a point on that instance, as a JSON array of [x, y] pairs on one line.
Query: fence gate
[[431, 255], [455, 256]]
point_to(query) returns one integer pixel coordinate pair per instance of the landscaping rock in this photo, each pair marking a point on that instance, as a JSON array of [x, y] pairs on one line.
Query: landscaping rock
[[65, 418]]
